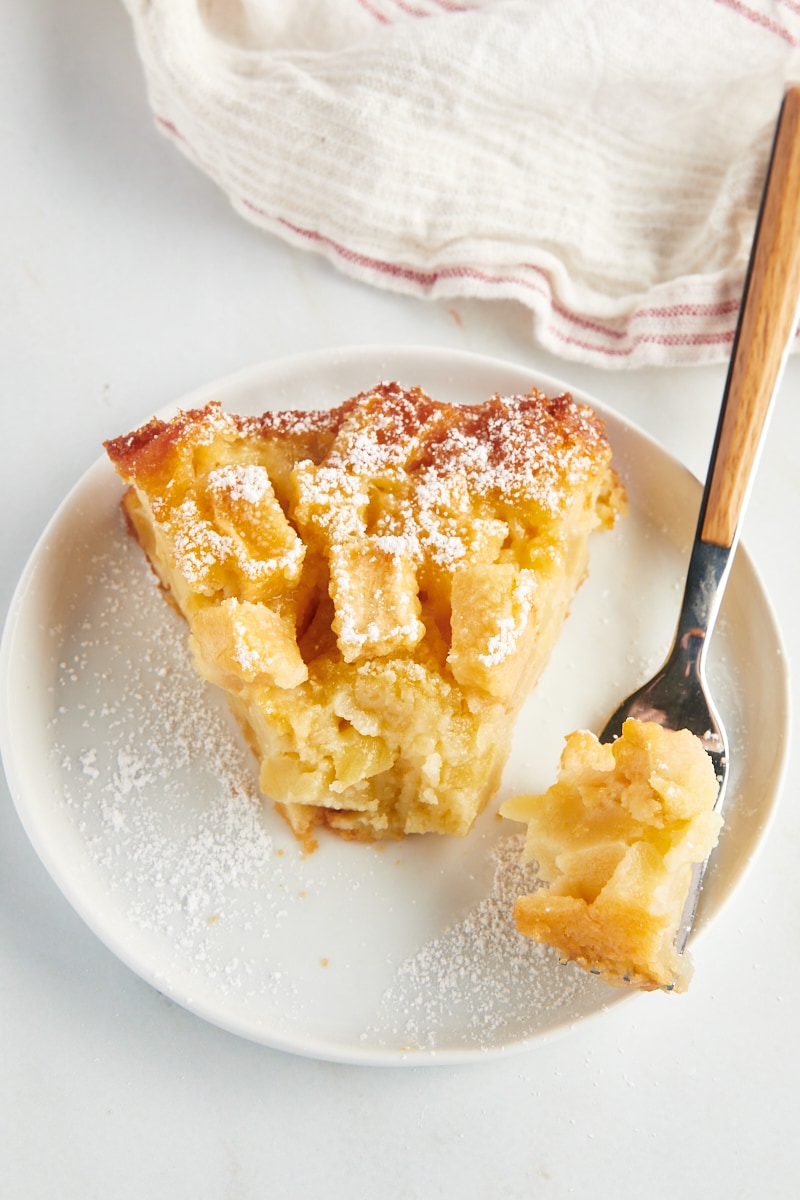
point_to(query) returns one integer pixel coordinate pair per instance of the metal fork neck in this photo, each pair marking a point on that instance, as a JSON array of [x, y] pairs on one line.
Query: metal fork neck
[[705, 582]]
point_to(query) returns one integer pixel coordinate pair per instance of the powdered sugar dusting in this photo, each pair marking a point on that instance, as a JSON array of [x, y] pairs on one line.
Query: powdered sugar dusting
[[504, 642], [433, 487], [481, 982], [431, 461], [249, 482], [163, 793], [197, 545]]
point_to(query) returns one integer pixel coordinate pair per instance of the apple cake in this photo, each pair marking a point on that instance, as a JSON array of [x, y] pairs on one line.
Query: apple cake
[[615, 839], [376, 586]]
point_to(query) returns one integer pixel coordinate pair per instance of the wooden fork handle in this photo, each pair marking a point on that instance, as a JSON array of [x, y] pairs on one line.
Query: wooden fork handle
[[767, 321]]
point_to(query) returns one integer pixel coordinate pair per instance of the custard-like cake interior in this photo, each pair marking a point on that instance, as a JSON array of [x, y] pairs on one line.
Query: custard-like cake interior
[[616, 838], [376, 587]]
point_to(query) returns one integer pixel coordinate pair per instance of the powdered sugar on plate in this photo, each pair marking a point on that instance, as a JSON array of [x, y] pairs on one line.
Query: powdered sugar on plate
[[480, 982], [159, 787]]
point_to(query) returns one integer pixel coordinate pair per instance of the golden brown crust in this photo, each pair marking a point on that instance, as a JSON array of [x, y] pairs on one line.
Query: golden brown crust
[[496, 443]]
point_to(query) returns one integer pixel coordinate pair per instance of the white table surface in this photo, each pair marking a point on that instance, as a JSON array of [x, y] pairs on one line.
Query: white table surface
[[127, 281]]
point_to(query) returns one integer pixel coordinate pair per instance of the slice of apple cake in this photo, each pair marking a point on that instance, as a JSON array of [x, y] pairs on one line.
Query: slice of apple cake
[[615, 839], [376, 587]]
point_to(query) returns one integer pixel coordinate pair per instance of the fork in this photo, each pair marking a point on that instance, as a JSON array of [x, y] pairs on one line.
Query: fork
[[677, 697]]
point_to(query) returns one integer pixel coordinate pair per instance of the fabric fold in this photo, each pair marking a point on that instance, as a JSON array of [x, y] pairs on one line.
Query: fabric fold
[[599, 165]]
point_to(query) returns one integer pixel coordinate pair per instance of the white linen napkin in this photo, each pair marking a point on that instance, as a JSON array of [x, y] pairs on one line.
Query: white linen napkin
[[598, 161]]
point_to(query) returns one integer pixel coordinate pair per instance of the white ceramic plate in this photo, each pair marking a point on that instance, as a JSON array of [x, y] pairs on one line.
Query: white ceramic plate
[[137, 793]]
